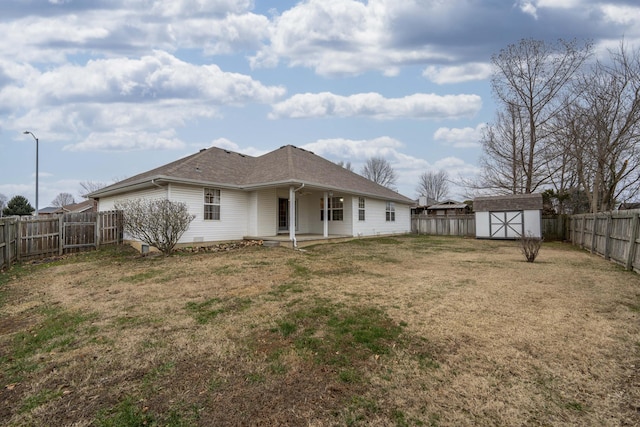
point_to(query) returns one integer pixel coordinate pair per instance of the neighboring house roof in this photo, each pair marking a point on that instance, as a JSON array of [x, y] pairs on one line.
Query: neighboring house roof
[[48, 210], [287, 165], [84, 206], [508, 203]]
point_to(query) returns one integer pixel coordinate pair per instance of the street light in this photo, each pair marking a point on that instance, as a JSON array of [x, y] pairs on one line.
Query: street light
[[26, 132]]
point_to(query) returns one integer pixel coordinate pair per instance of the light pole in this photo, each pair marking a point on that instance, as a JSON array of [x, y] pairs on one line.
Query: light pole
[[26, 132]]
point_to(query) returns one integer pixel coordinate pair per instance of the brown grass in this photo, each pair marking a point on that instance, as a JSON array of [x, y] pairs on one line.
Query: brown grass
[[468, 333]]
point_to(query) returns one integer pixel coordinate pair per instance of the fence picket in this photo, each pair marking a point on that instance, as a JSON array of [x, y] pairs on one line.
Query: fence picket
[[32, 238]]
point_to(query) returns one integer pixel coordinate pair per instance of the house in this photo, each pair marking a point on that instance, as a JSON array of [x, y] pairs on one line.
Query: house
[[448, 208], [84, 206], [288, 192], [508, 217]]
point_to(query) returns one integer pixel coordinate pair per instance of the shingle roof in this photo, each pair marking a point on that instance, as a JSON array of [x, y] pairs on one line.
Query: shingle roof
[[508, 202], [288, 164]]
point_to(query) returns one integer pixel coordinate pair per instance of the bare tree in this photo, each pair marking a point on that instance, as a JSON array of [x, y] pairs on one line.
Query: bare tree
[[346, 165], [380, 171], [159, 223], [63, 199], [604, 130], [502, 160], [530, 79], [434, 185], [90, 187]]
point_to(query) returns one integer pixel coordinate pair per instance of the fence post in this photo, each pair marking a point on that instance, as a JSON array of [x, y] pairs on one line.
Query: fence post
[[593, 232], [61, 237], [98, 228], [5, 249], [631, 254], [607, 242]]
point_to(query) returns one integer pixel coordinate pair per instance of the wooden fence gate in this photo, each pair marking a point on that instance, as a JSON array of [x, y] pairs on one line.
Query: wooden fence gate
[[24, 239]]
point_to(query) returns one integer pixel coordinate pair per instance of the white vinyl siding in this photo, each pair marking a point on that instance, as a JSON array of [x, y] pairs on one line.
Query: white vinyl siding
[[233, 215], [376, 222], [108, 203], [267, 213]]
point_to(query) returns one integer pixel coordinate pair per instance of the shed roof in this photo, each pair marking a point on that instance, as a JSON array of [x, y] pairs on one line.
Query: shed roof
[[511, 202]]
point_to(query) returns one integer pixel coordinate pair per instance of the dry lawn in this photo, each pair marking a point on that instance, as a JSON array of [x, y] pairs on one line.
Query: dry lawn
[[388, 331]]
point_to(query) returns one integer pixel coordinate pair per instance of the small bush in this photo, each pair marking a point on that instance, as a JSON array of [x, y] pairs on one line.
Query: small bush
[[159, 223], [530, 246]]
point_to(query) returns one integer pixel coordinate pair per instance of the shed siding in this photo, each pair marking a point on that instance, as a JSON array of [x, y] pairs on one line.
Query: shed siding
[[533, 223], [483, 229]]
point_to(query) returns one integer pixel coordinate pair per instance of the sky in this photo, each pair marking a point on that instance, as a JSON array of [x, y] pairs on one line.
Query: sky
[[113, 88]]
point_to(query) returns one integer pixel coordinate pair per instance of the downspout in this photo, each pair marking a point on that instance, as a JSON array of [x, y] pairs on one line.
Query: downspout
[[292, 214]]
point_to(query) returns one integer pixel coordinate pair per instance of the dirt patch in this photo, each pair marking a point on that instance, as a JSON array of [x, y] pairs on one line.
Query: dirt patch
[[391, 331]]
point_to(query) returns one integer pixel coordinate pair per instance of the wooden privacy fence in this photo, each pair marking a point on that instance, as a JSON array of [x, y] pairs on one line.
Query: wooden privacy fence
[[553, 227], [450, 225], [27, 238], [614, 235]]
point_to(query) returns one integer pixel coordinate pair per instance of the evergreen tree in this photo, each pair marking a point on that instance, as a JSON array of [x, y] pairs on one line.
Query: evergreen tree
[[18, 205]]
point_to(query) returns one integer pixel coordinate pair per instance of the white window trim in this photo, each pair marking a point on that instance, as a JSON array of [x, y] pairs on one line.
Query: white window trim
[[390, 212], [216, 192], [362, 209]]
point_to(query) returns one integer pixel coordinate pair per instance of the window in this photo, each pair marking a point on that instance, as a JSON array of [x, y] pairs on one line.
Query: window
[[211, 204], [361, 209], [335, 209], [391, 211]]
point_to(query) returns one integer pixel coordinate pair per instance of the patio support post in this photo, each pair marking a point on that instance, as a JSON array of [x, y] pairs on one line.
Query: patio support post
[[292, 215], [325, 215]]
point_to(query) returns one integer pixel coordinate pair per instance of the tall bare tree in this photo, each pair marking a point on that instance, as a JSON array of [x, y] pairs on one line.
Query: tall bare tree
[[63, 199], [529, 80], [602, 129], [434, 185], [502, 161], [380, 171]]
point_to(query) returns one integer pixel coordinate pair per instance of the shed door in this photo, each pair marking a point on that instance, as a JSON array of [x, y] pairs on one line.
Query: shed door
[[506, 225]]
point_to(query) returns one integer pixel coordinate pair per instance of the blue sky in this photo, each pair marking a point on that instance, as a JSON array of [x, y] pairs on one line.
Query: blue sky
[[113, 88]]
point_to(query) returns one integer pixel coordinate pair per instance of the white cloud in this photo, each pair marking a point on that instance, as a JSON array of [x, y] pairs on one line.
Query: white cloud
[[467, 137], [156, 92], [150, 78], [338, 37], [626, 15], [121, 140], [357, 151], [528, 7], [417, 106], [133, 27], [230, 145], [456, 74]]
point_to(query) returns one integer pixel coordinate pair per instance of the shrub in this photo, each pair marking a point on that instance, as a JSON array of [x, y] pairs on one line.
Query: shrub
[[159, 223], [530, 246]]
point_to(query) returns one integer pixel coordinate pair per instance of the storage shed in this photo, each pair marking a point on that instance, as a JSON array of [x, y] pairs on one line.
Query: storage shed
[[508, 217]]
